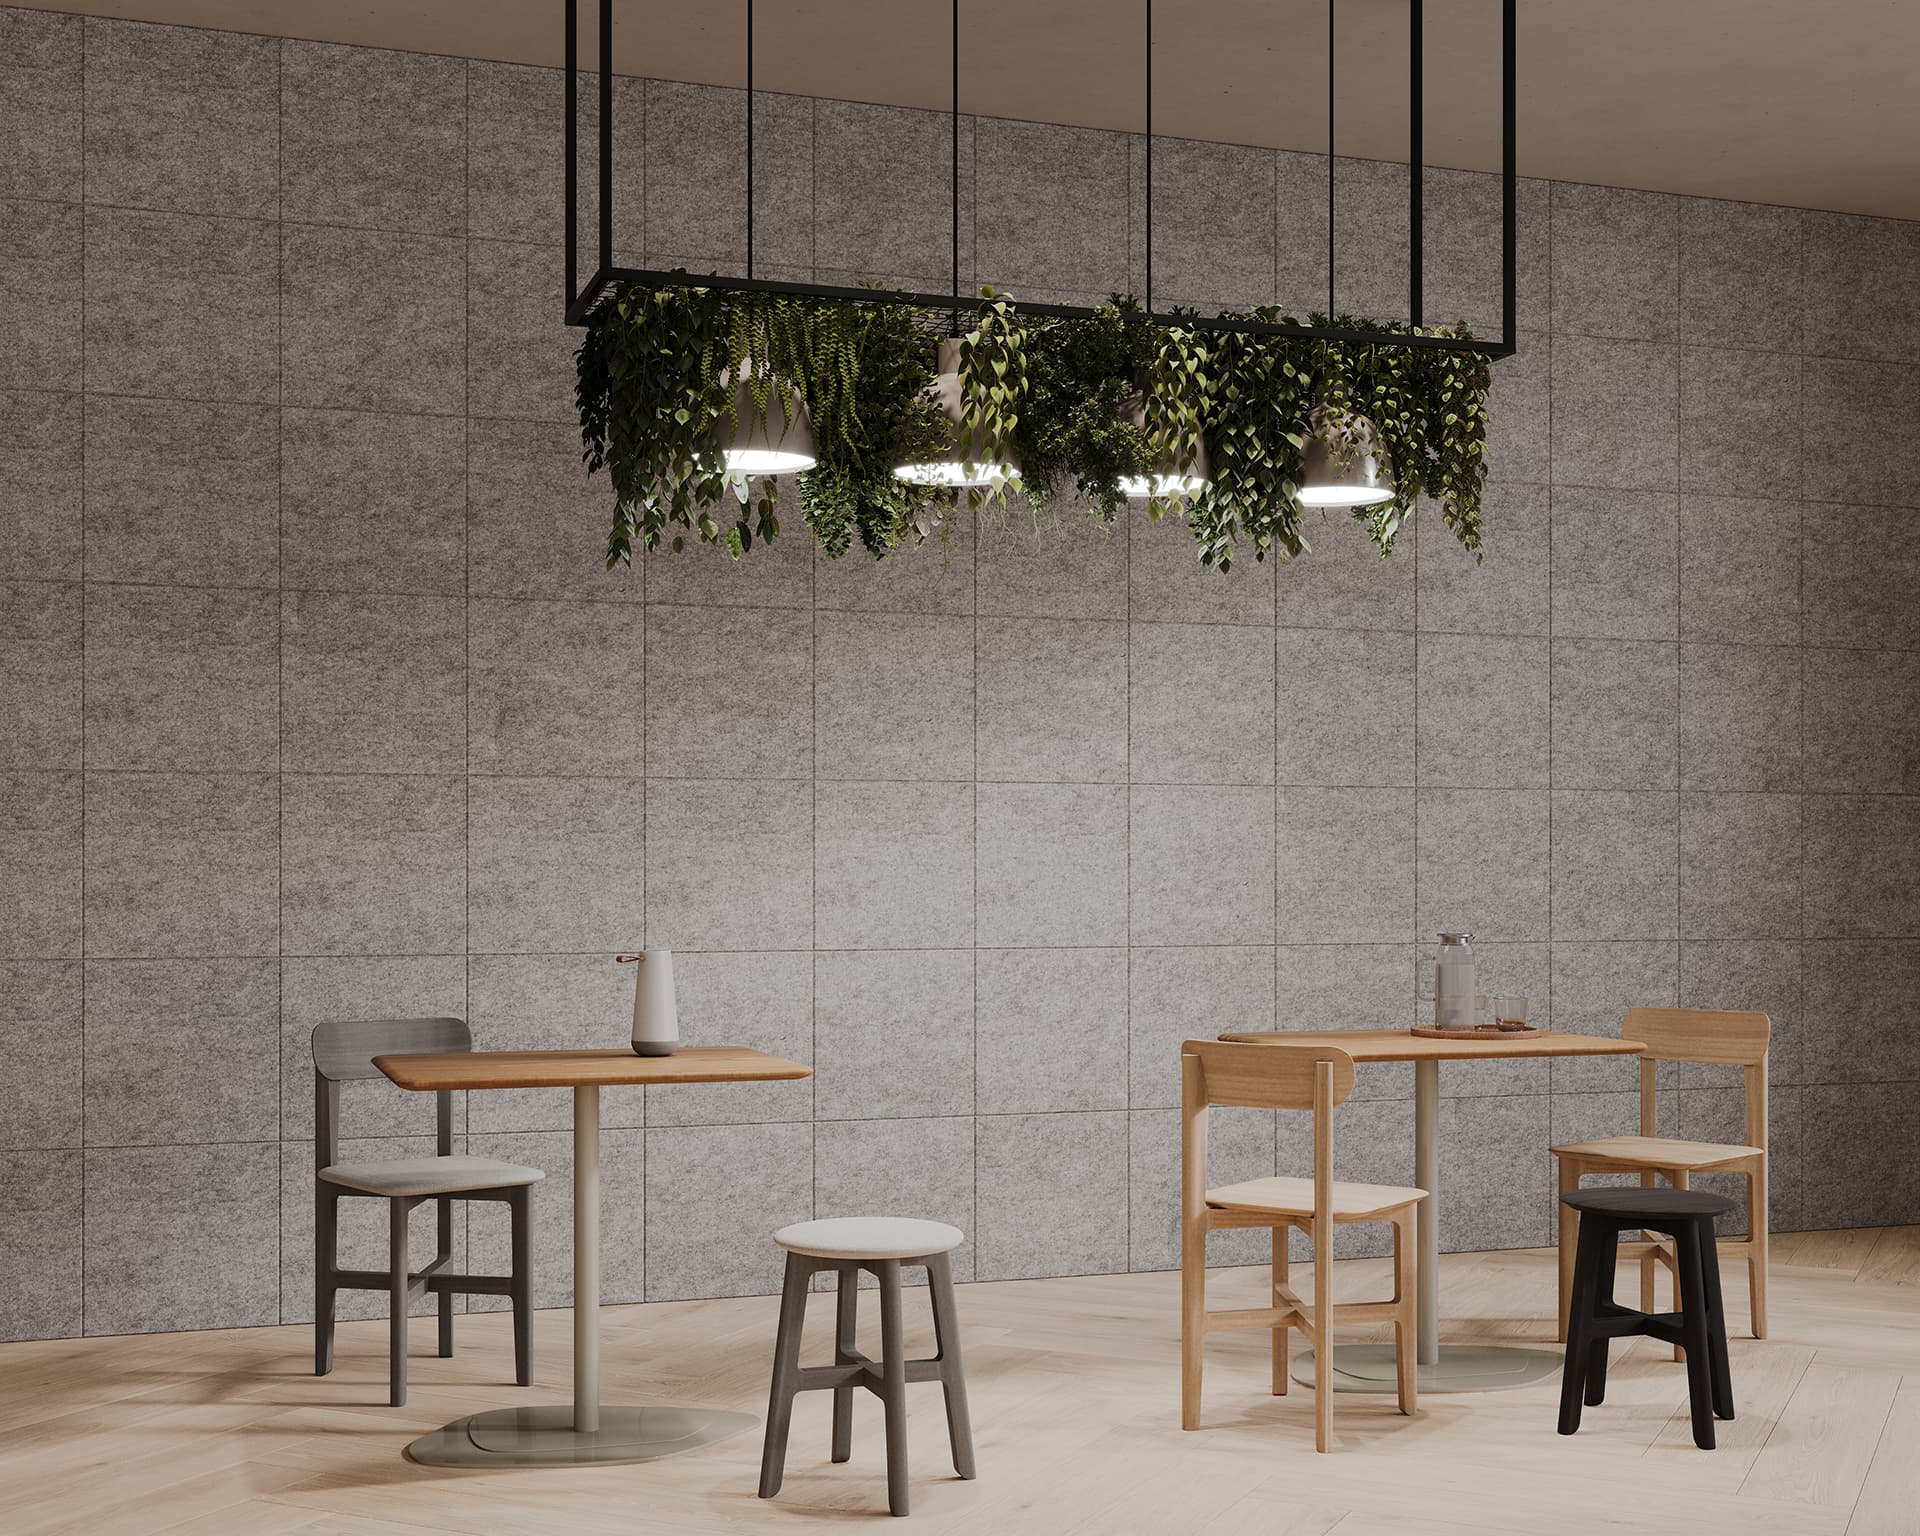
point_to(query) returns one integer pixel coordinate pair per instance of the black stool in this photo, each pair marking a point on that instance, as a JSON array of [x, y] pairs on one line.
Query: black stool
[[1699, 1327]]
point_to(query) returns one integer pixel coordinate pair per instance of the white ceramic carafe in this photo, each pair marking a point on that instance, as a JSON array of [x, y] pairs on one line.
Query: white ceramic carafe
[[656, 1019]]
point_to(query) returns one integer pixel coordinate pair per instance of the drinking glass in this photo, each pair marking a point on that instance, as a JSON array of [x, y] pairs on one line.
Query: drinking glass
[[1510, 1011]]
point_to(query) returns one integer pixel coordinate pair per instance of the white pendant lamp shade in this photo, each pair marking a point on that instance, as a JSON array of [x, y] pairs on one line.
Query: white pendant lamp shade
[[1351, 474], [1186, 477], [776, 441], [966, 462]]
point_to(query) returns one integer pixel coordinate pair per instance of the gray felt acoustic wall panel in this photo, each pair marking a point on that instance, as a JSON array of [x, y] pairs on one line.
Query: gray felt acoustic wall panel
[[315, 703]]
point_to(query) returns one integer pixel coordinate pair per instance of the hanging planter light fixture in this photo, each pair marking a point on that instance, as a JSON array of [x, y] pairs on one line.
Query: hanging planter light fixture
[[774, 438], [985, 425], [968, 462], [1345, 466], [1173, 475]]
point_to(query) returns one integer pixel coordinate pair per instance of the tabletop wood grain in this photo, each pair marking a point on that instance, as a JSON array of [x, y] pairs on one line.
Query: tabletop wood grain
[[432, 1071], [1399, 1045]]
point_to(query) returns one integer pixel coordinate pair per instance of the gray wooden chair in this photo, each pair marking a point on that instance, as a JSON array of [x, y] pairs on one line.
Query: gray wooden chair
[[344, 1052]]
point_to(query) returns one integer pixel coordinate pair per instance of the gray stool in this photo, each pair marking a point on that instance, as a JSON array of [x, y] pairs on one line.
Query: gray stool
[[880, 1245]]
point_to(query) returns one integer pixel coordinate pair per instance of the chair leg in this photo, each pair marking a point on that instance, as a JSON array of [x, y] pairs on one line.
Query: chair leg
[[1193, 1320], [1649, 1263], [397, 1213], [1759, 1224], [1405, 1321], [1600, 1298], [1694, 1329], [953, 1381], [846, 1306], [786, 1365], [1679, 1181], [893, 1376], [1282, 1259], [1323, 1327], [444, 1225], [1569, 1237], [1579, 1325], [1718, 1368], [520, 1214], [326, 1260]]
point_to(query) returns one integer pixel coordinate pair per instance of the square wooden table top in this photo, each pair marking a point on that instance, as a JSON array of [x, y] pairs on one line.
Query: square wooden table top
[[1402, 1045], [431, 1071]]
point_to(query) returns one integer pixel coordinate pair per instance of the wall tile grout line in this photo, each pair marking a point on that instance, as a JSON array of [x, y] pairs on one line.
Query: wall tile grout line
[[428, 775], [280, 617], [81, 1299], [452, 594], [466, 601], [1553, 485], [1679, 631]]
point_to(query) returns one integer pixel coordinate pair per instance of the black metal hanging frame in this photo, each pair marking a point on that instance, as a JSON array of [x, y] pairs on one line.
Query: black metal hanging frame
[[607, 276]]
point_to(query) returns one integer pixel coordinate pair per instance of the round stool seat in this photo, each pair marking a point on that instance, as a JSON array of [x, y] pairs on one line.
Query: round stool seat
[[1656, 1204], [869, 1237]]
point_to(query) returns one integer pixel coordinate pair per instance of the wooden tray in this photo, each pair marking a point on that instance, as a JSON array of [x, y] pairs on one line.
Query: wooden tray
[[1473, 1032]]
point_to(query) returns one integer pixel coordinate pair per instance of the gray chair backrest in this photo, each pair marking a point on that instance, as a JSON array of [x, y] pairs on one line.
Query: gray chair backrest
[[343, 1052]]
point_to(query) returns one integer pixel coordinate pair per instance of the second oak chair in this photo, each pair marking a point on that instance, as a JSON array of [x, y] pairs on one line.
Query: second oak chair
[[1298, 1077], [1696, 1035]]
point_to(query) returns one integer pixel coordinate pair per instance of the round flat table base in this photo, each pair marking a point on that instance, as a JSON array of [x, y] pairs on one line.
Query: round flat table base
[[545, 1436], [1460, 1368]]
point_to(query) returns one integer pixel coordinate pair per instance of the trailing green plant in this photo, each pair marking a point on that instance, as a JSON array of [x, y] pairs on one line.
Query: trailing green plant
[[649, 391], [1426, 407], [1454, 391], [1073, 435], [655, 393], [1178, 399], [1082, 403], [993, 388], [1258, 399], [867, 388]]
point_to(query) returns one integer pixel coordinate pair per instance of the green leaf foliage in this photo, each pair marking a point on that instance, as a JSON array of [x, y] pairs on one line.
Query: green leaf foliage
[[1080, 403], [1071, 439]]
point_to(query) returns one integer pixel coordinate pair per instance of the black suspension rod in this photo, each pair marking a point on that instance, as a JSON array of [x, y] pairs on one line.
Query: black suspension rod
[[1149, 199], [1416, 162], [954, 120], [1509, 198], [749, 138], [573, 151], [606, 134]]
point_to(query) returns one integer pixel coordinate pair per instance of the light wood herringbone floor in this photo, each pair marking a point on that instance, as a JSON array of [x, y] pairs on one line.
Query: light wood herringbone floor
[[1075, 1394]]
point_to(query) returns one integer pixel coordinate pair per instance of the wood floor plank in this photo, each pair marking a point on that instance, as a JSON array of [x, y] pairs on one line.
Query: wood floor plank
[[1895, 1259], [1824, 1440], [1889, 1503], [1842, 1251], [1075, 1390]]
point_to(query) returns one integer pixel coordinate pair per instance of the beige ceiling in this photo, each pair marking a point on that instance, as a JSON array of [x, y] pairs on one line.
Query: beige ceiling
[[1804, 102]]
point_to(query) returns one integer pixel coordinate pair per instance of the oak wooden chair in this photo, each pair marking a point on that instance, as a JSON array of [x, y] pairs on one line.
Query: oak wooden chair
[[1298, 1077], [1682, 1034]]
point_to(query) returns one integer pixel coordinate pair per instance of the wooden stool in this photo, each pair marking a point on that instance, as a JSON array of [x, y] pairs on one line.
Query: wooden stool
[[1699, 1327], [880, 1245]]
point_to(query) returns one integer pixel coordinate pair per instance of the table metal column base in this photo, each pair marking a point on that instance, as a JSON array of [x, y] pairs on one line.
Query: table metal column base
[[1460, 1368], [545, 1436]]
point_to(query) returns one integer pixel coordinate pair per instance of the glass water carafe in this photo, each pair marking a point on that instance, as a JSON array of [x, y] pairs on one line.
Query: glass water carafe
[[1453, 982]]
